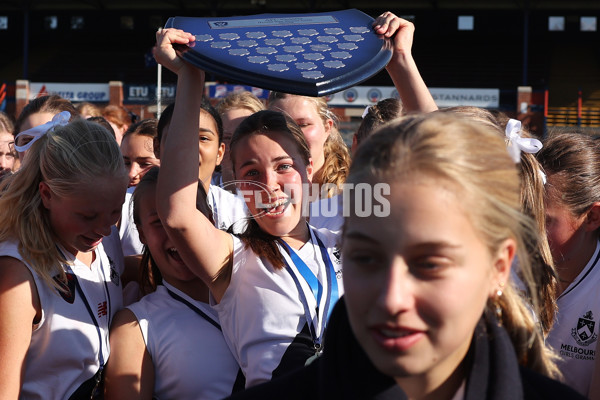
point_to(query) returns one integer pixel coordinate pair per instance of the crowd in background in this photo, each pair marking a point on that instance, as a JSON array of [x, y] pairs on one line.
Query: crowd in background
[[179, 258]]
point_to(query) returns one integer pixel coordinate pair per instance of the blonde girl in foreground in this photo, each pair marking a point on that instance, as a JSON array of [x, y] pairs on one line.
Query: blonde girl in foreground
[[59, 287], [429, 310]]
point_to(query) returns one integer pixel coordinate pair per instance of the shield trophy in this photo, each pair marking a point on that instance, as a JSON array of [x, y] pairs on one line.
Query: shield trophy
[[306, 54]]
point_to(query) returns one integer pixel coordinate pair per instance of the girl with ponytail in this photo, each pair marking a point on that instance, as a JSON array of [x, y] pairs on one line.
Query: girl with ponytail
[[430, 310]]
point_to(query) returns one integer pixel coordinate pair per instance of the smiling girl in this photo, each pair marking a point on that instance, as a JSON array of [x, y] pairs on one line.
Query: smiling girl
[[168, 345], [58, 288], [262, 279]]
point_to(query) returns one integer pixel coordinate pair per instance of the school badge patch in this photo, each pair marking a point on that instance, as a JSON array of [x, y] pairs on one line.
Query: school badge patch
[[584, 334], [67, 291], [337, 253]]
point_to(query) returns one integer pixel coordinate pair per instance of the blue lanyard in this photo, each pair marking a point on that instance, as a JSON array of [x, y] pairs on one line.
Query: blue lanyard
[[315, 286], [89, 308], [194, 308]]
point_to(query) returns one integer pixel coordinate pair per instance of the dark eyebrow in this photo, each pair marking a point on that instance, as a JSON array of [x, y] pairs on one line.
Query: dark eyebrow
[[276, 159], [286, 157], [249, 162], [206, 130]]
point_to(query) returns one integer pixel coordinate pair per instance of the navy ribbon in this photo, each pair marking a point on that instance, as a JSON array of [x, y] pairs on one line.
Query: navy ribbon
[[89, 308], [315, 286], [194, 308]]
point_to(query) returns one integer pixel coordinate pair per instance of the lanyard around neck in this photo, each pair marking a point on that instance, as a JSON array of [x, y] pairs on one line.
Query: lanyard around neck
[[89, 308], [195, 309], [315, 286]]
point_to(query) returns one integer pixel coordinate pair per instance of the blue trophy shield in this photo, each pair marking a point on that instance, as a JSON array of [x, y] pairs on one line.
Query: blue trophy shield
[[306, 54]]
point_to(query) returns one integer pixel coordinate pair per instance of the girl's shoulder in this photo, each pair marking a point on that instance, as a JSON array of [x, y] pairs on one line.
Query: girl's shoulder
[[18, 289], [12, 263], [10, 248], [14, 271]]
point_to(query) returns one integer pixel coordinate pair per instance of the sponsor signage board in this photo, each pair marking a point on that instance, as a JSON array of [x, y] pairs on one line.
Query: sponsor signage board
[[75, 92]]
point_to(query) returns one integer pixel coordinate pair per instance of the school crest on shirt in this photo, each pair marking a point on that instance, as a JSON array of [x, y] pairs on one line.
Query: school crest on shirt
[[67, 289], [584, 333], [114, 275], [337, 253], [337, 260]]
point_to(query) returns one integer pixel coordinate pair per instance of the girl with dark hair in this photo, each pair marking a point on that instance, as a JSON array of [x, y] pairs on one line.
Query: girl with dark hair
[[572, 165], [169, 344], [276, 282], [138, 155]]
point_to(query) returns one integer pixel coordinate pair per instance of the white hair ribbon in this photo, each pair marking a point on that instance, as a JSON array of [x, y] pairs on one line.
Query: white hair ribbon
[[364, 114], [37, 132], [517, 144]]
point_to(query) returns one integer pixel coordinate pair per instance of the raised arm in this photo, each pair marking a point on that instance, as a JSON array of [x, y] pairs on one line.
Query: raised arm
[[402, 67], [205, 249]]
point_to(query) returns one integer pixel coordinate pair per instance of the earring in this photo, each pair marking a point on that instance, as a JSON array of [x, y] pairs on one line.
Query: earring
[[497, 304]]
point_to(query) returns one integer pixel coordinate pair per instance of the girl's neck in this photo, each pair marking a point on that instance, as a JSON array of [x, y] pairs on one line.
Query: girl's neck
[[298, 236], [446, 391], [205, 184], [570, 266], [86, 258]]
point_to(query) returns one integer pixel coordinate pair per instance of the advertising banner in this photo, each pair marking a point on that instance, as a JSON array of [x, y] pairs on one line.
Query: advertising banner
[[75, 92], [146, 94]]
